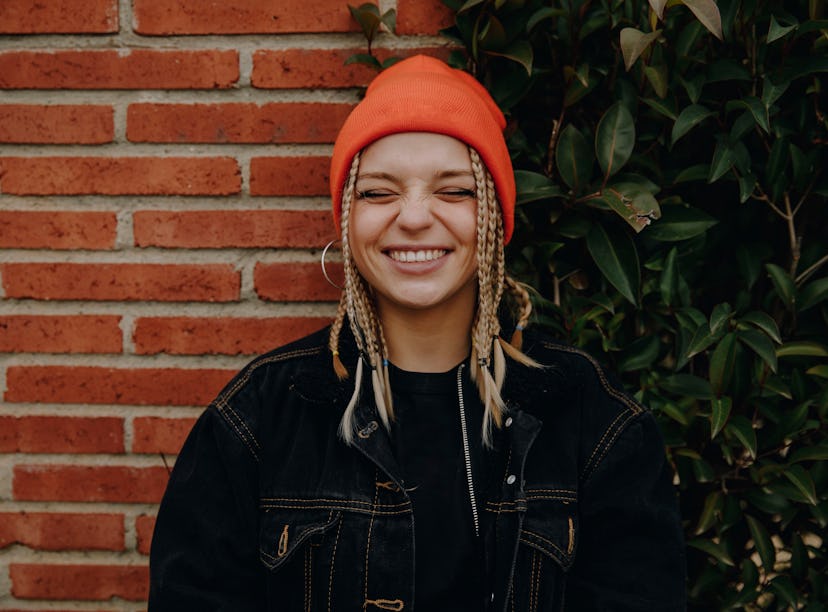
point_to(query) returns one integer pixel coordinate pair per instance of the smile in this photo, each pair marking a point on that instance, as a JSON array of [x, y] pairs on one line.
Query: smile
[[416, 256]]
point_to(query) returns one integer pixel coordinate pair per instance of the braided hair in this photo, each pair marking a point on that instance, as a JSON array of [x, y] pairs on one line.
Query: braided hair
[[488, 363]]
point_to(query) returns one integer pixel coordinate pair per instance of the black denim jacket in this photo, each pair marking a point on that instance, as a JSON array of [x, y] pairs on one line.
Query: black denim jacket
[[267, 509]]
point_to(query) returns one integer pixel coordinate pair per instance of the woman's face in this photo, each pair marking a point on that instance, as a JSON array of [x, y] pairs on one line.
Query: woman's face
[[413, 223]]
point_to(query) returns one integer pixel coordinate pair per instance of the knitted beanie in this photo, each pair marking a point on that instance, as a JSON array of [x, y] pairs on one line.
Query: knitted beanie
[[423, 94]]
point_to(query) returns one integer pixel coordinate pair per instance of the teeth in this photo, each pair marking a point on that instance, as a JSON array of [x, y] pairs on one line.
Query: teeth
[[416, 256]]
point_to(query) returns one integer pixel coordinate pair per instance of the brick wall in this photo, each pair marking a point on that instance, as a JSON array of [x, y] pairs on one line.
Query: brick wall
[[163, 178]]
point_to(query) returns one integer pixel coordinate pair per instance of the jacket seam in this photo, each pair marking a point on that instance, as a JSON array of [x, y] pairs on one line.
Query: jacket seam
[[231, 416]]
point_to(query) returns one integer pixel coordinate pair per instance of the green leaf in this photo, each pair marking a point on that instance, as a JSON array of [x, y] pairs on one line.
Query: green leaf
[[634, 43], [722, 313], [715, 550], [763, 321], [640, 354], [742, 429], [533, 186], [783, 282], [720, 412], [762, 542], [573, 159], [709, 514], [772, 91], [614, 139], [658, 7], [687, 385], [668, 283], [803, 348], [821, 371], [776, 31], [761, 345], [541, 15], [708, 14], [680, 222], [799, 557], [637, 207], [722, 161], [389, 18], [689, 118], [813, 293], [721, 363], [368, 17], [660, 107], [810, 453], [519, 51], [758, 110], [615, 255], [657, 76], [801, 479], [702, 338]]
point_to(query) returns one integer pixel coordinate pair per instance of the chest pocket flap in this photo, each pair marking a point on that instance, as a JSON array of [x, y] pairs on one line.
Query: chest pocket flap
[[551, 524], [283, 531]]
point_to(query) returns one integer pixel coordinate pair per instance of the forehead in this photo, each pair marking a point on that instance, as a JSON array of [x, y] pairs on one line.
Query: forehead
[[415, 152]]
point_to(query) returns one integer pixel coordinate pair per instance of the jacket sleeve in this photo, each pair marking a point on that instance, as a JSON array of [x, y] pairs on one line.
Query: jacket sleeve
[[630, 554], [204, 553]]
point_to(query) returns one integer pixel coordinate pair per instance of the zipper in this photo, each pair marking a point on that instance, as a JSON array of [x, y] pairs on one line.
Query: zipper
[[466, 452]]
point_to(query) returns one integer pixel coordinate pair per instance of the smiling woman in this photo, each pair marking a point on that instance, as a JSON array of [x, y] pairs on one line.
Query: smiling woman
[[531, 479]]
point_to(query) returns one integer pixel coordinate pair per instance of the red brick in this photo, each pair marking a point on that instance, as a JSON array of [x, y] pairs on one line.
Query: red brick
[[121, 282], [84, 582], [144, 526], [120, 175], [162, 17], [56, 124], [59, 17], [22, 229], [97, 385], [297, 176], [226, 336], [53, 434], [423, 17], [233, 228], [296, 282], [303, 122], [110, 69], [60, 334], [160, 435], [89, 483], [72, 531], [312, 68]]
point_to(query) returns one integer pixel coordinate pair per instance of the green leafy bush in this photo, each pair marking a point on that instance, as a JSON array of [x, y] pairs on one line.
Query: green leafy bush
[[673, 190], [673, 217]]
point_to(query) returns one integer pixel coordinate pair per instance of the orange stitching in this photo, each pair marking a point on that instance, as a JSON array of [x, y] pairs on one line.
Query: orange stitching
[[571, 545], [385, 604], [538, 583], [390, 485], [308, 579], [325, 499], [542, 539], [333, 559], [533, 563], [283, 543], [370, 529]]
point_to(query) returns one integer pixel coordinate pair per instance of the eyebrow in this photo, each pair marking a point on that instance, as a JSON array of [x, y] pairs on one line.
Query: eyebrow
[[439, 175]]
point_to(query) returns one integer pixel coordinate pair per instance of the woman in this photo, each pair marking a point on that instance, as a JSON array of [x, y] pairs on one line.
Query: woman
[[410, 455]]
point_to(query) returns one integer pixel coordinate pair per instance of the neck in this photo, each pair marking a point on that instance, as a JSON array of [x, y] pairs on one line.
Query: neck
[[427, 341]]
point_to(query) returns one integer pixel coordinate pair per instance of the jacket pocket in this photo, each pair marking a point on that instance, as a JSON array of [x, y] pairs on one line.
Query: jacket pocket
[[551, 524], [284, 531], [548, 540]]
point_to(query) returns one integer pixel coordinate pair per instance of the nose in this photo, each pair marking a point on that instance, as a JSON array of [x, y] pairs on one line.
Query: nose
[[415, 213]]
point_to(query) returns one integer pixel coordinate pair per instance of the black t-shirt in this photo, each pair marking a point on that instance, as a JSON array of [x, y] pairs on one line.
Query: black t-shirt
[[428, 444]]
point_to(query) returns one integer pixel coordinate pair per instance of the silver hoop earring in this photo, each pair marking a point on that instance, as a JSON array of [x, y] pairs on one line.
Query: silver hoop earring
[[324, 271]]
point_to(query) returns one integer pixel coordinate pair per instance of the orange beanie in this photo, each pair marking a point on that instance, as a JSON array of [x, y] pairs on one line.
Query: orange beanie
[[423, 94]]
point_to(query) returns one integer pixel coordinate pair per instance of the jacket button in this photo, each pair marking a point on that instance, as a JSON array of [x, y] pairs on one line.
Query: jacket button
[[511, 479], [508, 421]]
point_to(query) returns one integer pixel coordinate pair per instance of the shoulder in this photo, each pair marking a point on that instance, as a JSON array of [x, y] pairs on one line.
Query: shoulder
[[277, 386]]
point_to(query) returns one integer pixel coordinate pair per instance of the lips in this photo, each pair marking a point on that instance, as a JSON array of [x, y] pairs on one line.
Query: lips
[[418, 256]]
